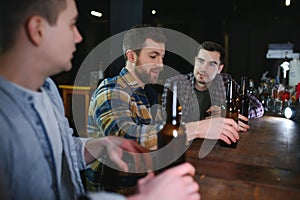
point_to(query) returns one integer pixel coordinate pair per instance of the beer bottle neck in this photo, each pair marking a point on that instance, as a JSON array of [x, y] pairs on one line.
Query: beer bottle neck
[[230, 91], [173, 109], [244, 84]]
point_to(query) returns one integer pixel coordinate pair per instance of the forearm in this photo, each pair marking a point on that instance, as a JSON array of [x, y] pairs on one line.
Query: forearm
[[121, 124], [196, 129], [93, 149], [213, 128]]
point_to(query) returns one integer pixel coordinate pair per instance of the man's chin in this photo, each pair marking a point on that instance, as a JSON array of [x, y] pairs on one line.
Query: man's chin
[[201, 81]]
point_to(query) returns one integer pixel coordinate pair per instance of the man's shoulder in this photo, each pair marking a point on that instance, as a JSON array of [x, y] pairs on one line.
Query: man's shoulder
[[181, 77], [109, 82], [112, 83], [225, 76], [9, 95]]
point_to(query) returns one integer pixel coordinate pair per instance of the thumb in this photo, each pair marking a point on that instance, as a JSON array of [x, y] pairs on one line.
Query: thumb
[[149, 176]]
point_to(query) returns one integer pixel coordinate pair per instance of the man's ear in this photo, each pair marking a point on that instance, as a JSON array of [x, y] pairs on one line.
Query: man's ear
[[34, 28], [131, 56], [220, 68]]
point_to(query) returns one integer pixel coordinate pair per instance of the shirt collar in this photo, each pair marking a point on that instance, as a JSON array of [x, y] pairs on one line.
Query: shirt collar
[[128, 78]]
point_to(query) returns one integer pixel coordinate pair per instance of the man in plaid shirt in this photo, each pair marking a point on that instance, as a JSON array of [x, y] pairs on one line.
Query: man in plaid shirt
[[122, 105], [203, 92]]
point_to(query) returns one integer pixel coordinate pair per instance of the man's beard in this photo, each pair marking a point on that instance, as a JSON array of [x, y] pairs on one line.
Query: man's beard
[[144, 77]]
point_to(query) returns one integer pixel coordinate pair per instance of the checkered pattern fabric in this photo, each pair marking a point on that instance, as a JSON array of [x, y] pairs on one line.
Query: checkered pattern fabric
[[120, 107], [217, 90]]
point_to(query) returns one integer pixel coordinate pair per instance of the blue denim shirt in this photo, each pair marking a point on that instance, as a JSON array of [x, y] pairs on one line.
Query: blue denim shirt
[[26, 167]]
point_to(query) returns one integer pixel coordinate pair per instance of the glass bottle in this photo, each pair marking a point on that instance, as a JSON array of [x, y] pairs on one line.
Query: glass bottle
[[231, 108], [252, 90], [294, 93], [172, 139], [243, 100]]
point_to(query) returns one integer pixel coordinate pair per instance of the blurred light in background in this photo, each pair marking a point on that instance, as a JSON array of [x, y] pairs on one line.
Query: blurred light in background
[[289, 112], [96, 14]]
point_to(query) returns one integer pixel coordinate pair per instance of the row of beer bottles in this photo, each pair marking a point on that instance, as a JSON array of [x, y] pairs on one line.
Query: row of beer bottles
[[236, 103], [173, 137]]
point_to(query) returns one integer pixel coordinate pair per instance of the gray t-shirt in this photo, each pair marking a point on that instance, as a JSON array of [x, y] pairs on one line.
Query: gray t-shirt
[[46, 111], [204, 102]]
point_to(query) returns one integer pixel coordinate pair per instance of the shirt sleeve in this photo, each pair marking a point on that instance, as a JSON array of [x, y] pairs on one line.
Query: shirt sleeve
[[115, 112], [79, 145], [104, 196], [256, 107]]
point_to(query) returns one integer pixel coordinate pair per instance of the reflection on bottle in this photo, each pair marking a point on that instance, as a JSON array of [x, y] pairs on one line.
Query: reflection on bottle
[[243, 100]]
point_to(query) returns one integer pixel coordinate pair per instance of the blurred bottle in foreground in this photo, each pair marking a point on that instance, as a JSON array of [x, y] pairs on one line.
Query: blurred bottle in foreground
[[172, 139]]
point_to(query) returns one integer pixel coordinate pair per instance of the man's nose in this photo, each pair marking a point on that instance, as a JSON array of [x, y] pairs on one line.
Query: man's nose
[[160, 62], [203, 66]]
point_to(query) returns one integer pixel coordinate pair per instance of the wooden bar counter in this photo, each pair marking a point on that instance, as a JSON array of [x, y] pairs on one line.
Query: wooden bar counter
[[264, 165]]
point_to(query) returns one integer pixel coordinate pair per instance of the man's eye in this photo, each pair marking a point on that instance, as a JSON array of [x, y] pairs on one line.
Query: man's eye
[[212, 64], [201, 61]]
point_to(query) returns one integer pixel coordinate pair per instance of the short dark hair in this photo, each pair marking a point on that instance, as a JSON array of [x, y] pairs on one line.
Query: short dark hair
[[134, 39], [14, 13], [212, 46]]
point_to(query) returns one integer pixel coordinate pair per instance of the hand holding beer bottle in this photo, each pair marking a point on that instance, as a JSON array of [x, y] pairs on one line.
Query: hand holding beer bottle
[[231, 109]]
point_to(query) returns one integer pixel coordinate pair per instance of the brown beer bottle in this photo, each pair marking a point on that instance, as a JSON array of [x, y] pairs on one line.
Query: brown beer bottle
[[231, 108], [172, 139], [243, 100]]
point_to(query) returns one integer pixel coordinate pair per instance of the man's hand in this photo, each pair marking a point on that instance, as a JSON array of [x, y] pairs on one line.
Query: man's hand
[[242, 126], [115, 148], [214, 111], [225, 129], [176, 183]]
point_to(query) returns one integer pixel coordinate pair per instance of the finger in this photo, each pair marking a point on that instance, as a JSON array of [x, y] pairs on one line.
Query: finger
[[117, 159], [133, 146], [140, 162], [148, 161], [193, 187], [137, 159], [149, 176], [241, 128], [229, 132], [232, 126], [243, 125], [225, 139], [242, 117], [183, 169], [231, 122], [134, 159], [195, 196], [208, 111]]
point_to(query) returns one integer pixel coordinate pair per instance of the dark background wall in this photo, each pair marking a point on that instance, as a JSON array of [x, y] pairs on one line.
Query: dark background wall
[[243, 27]]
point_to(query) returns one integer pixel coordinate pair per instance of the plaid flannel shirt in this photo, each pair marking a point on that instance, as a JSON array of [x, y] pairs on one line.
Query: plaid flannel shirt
[[120, 107], [217, 90]]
